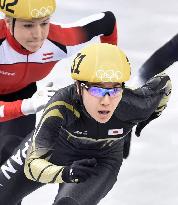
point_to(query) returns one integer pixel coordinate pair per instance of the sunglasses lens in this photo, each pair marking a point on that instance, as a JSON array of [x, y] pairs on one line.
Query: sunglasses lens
[[96, 91], [115, 92], [101, 92]]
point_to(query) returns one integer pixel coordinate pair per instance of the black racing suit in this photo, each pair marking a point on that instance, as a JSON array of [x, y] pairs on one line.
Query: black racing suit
[[67, 133]]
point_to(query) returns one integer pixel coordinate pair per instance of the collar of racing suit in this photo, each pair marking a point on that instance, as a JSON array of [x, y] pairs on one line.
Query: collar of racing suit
[[15, 44]]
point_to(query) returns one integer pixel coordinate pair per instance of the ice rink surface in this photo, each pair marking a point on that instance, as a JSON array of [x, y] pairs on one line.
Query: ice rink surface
[[150, 175]]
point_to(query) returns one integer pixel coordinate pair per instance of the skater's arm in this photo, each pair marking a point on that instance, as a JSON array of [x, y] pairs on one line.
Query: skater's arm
[[144, 104], [160, 60], [10, 110], [102, 25], [15, 109], [38, 165]]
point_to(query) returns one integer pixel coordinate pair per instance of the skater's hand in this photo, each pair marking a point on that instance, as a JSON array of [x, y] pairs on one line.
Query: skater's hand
[[160, 82], [79, 171], [39, 99], [142, 124]]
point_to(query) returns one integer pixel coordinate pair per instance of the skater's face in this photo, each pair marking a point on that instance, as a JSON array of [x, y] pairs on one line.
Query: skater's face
[[101, 99], [30, 34]]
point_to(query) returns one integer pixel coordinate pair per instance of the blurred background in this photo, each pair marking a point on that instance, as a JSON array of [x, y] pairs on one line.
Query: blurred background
[[149, 175]]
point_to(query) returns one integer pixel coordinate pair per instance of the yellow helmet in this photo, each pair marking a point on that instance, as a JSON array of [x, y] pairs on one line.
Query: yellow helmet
[[101, 62], [28, 9]]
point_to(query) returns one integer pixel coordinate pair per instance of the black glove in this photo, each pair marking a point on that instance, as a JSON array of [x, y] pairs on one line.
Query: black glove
[[79, 171], [142, 124]]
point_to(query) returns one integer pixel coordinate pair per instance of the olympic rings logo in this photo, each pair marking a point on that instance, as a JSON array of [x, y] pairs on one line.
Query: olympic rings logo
[[109, 75], [44, 11]]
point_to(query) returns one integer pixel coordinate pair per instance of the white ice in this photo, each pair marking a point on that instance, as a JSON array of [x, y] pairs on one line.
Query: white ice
[[150, 175]]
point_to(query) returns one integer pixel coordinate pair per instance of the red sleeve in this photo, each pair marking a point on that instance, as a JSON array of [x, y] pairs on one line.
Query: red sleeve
[[11, 110], [102, 25], [66, 36]]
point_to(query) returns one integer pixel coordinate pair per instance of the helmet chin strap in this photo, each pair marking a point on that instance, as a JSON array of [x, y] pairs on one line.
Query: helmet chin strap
[[13, 30], [13, 26], [78, 87]]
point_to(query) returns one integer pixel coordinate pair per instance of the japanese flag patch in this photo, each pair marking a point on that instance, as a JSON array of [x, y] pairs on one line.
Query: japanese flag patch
[[115, 131]]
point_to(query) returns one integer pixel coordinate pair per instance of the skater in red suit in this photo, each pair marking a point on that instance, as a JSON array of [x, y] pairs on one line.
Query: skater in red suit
[[30, 46]]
